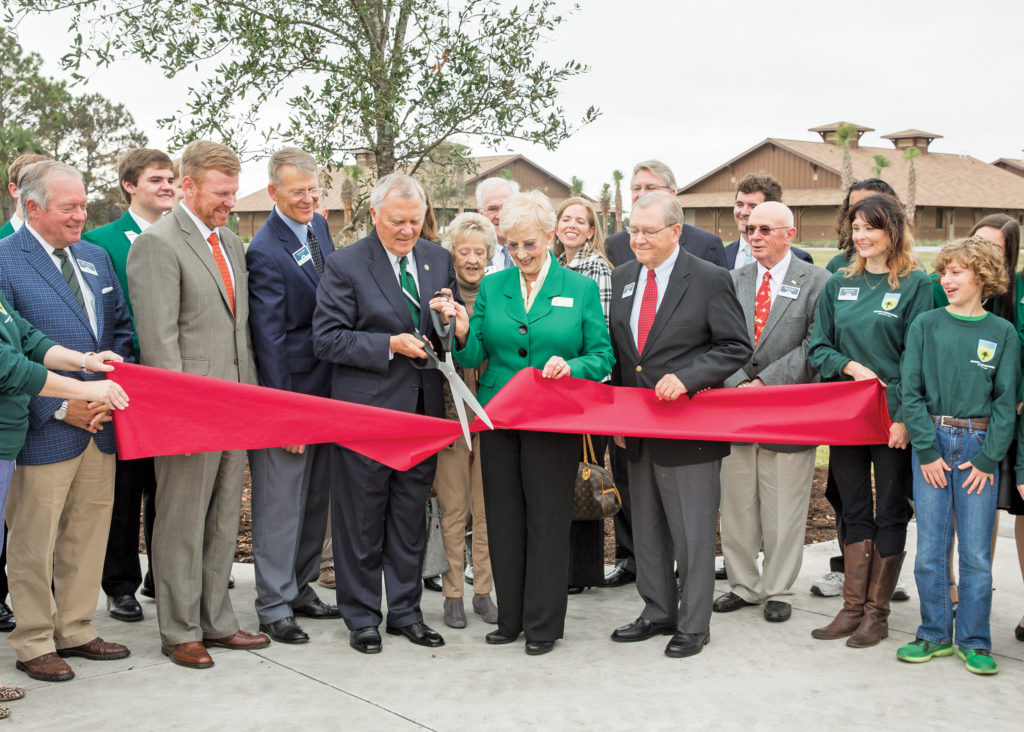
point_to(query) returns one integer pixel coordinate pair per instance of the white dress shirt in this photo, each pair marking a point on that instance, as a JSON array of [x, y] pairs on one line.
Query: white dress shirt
[[87, 294], [205, 232], [778, 275], [661, 275]]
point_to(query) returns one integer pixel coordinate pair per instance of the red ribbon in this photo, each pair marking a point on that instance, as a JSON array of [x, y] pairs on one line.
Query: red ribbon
[[173, 413]]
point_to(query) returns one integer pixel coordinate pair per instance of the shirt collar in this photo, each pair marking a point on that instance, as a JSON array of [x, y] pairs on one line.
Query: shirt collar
[[139, 221], [204, 230], [294, 226], [664, 270], [16, 221], [778, 271], [45, 244]]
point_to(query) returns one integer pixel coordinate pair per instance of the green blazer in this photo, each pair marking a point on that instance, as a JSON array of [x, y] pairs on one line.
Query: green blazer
[[566, 320], [6, 230], [115, 239]]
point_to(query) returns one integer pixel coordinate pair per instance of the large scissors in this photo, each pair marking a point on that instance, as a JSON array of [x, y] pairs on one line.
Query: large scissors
[[461, 394]]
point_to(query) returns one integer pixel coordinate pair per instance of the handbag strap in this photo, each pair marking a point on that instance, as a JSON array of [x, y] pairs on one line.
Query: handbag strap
[[588, 457]]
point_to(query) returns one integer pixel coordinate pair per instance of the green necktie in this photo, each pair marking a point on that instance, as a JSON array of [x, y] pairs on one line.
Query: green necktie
[[409, 285], [68, 270]]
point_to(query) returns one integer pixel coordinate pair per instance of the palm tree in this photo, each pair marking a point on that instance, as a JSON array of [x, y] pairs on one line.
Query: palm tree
[[576, 186], [617, 177], [606, 204], [881, 162], [909, 155], [844, 135]]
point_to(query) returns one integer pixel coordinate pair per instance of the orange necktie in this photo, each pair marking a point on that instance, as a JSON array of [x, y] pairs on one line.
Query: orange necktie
[[222, 265], [762, 306]]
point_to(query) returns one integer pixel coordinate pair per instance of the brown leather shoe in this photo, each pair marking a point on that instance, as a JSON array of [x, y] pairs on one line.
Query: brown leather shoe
[[96, 650], [47, 667], [240, 641], [190, 655], [857, 558]]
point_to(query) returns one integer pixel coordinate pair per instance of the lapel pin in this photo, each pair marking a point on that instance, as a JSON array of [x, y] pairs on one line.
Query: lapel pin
[[426, 266]]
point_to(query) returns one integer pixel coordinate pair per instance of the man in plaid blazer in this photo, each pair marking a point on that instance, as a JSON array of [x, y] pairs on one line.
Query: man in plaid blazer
[[58, 510]]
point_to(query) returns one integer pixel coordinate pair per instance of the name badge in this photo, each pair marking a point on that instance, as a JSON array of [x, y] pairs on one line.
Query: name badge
[[561, 302], [628, 290], [849, 293], [302, 255], [789, 291], [87, 267]]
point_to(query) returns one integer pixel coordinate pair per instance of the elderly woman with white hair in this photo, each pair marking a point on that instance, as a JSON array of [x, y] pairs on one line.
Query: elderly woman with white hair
[[543, 316], [458, 482]]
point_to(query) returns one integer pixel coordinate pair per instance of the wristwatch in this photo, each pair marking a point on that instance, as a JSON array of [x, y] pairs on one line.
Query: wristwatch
[[62, 411]]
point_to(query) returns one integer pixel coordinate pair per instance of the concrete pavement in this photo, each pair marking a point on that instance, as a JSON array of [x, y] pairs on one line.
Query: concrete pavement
[[753, 675]]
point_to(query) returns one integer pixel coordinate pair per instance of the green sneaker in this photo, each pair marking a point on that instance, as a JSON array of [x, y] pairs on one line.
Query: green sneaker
[[921, 650], [977, 661]]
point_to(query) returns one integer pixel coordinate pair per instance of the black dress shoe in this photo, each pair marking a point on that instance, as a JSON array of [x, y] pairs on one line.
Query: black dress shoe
[[538, 648], [365, 640], [730, 601], [318, 610], [125, 608], [497, 638], [6, 618], [147, 592], [432, 583], [1018, 631], [231, 581], [618, 577], [285, 630], [576, 589], [721, 574], [419, 633], [641, 629], [777, 612], [687, 644]]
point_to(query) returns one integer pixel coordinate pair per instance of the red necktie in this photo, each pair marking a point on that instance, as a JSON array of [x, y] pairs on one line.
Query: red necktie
[[222, 265], [648, 307], [762, 305]]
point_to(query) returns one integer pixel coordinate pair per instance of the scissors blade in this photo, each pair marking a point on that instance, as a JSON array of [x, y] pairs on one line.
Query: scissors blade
[[461, 409], [462, 391]]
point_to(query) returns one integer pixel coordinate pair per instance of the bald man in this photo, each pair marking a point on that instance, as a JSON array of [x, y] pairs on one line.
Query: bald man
[[766, 488]]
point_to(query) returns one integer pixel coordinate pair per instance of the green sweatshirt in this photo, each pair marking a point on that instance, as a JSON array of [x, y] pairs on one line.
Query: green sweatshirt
[[863, 319], [836, 262], [961, 368], [22, 376]]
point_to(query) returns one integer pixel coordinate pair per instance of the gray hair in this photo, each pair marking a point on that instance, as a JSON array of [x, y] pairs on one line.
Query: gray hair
[[671, 211], [658, 168], [35, 178], [532, 209], [467, 224], [490, 185], [403, 185], [293, 156]]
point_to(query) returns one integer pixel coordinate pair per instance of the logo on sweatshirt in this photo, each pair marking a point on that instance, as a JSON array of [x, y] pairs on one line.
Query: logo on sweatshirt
[[986, 350], [891, 300]]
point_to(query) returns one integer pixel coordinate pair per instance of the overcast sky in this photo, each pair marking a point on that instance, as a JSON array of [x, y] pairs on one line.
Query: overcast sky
[[697, 83]]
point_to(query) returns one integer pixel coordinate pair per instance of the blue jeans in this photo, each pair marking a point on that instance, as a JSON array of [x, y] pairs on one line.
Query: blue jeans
[[6, 474], [975, 518]]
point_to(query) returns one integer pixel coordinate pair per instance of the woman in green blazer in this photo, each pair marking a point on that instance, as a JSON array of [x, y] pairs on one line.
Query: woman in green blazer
[[542, 316]]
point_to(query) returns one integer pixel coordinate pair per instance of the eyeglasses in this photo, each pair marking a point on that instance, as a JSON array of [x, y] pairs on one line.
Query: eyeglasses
[[649, 188], [299, 195], [765, 230], [530, 246], [645, 233]]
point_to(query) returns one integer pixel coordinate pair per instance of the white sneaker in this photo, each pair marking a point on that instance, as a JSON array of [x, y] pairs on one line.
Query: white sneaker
[[900, 593], [828, 586], [468, 574]]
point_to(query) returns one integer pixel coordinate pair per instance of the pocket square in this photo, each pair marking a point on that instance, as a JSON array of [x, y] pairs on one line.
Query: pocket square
[[105, 290]]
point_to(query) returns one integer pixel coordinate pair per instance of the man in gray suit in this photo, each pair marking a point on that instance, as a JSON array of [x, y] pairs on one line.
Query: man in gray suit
[[189, 287], [766, 488], [677, 329]]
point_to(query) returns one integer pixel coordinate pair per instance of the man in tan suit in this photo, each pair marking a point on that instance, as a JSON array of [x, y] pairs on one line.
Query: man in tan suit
[[189, 283]]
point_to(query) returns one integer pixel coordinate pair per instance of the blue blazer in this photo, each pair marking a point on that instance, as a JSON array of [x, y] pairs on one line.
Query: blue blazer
[[732, 250], [282, 298], [34, 286], [359, 306], [701, 244]]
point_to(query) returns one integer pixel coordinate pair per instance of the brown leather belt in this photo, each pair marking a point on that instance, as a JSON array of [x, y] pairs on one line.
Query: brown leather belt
[[974, 424]]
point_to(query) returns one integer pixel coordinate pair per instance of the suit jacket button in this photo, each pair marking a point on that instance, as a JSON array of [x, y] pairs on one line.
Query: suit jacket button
[[522, 352], [522, 330], [753, 363], [639, 367]]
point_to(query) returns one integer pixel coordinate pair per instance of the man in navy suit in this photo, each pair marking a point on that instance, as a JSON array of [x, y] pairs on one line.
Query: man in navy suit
[[650, 176], [752, 191], [289, 484], [61, 496], [372, 297]]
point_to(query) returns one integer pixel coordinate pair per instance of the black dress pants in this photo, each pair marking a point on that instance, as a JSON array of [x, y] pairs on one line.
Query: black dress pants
[[624, 556], [134, 486], [529, 478], [885, 522]]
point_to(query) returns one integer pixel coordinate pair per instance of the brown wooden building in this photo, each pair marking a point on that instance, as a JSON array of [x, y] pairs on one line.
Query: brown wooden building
[[253, 209], [952, 192]]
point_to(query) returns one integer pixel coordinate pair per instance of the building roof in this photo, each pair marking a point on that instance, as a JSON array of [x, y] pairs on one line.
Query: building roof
[[943, 179], [1011, 164], [911, 133]]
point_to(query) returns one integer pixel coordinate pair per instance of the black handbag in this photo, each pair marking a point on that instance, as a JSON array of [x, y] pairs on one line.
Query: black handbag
[[596, 496]]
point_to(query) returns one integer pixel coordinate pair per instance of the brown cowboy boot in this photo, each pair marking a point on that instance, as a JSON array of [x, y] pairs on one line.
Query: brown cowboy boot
[[874, 626], [857, 561]]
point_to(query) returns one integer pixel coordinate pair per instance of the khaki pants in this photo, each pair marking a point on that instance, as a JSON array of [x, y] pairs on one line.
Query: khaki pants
[[59, 518], [764, 505], [327, 553], [459, 488]]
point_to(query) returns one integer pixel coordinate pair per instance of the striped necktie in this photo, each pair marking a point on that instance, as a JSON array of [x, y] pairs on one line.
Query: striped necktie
[[68, 270], [222, 266], [409, 285]]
